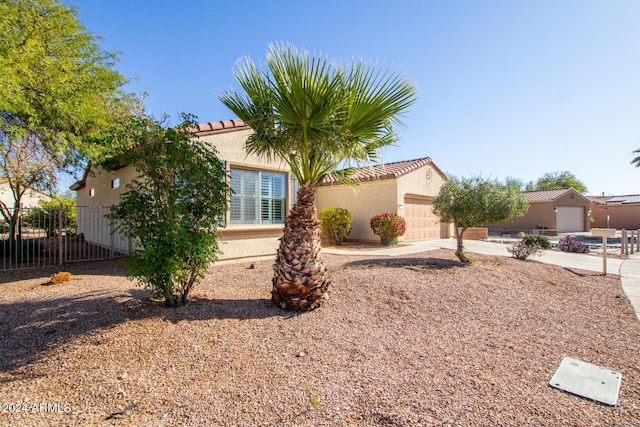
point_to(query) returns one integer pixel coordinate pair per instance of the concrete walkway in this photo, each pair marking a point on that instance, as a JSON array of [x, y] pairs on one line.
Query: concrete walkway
[[628, 269]]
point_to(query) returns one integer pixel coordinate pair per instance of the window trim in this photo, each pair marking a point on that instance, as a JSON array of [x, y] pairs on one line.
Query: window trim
[[286, 176]]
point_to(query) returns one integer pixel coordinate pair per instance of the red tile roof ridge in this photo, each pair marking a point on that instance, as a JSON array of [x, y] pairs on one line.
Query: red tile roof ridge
[[549, 195], [383, 171], [220, 126]]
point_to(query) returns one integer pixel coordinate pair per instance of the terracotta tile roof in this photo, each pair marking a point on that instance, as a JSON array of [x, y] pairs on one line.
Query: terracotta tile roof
[[601, 200], [385, 171], [631, 199], [219, 127], [537, 196]]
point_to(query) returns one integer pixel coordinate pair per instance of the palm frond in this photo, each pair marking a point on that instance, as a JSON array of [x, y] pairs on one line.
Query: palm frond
[[315, 114], [636, 160]]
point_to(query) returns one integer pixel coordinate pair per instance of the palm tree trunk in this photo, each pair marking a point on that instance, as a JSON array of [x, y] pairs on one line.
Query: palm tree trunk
[[299, 281]]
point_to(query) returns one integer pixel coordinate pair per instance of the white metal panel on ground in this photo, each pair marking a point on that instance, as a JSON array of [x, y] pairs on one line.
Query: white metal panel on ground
[[587, 380], [422, 223], [570, 219]]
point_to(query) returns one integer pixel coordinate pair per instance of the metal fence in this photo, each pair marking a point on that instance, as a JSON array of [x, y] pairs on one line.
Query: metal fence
[[41, 237]]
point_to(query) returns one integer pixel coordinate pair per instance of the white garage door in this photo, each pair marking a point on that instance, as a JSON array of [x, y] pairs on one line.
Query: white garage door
[[570, 219], [422, 223]]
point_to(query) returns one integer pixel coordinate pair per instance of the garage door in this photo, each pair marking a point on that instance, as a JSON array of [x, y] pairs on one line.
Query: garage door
[[570, 219], [422, 224]]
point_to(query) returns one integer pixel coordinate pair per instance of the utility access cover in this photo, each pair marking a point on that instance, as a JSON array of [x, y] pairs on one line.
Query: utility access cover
[[587, 380]]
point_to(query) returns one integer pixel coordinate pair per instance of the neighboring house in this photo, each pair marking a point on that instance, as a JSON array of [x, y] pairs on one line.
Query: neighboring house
[[561, 210], [619, 212], [405, 188], [30, 199], [263, 194]]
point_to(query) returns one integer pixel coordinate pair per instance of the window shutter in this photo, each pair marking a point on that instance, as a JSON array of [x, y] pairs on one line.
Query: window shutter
[[245, 198]]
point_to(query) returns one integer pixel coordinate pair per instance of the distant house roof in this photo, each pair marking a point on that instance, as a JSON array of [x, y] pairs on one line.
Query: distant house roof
[[392, 170], [540, 196], [631, 199]]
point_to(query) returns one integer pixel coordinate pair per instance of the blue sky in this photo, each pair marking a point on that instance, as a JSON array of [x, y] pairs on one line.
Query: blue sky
[[506, 88]]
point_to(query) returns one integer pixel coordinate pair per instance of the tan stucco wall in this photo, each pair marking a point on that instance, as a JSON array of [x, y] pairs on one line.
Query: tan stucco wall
[[539, 214], [249, 241], [542, 214], [230, 148], [374, 197], [576, 200], [100, 181], [363, 202], [420, 183], [620, 216]]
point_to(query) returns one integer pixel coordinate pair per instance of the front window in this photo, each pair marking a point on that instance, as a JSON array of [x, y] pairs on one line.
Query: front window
[[258, 197]]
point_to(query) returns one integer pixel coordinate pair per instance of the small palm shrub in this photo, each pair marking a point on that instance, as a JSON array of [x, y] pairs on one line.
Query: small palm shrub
[[572, 245], [336, 224], [388, 226]]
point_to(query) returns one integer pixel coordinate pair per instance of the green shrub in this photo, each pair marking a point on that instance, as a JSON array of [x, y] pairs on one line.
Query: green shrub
[[529, 245], [173, 208], [533, 240], [336, 224], [523, 250]]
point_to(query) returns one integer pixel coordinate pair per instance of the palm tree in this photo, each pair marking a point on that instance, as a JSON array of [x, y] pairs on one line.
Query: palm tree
[[636, 160], [316, 116]]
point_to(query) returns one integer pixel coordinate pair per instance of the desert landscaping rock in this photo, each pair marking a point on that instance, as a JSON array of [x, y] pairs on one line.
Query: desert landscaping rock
[[417, 340]]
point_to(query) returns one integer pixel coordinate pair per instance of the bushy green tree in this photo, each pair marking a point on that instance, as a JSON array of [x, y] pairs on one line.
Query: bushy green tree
[[552, 180], [472, 202], [47, 215], [173, 208], [56, 83]]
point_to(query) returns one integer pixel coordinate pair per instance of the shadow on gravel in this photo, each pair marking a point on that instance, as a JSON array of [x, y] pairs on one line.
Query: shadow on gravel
[[582, 273], [411, 263], [30, 330], [116, 268], [206, 309]]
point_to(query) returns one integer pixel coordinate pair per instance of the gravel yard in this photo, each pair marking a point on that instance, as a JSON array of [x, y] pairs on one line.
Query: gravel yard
[[419, 340]]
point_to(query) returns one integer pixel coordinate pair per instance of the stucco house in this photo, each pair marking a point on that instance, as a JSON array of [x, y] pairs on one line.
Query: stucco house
[[30, 199], [406, 188], [263, 193], [619, 212], [561, 210]]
